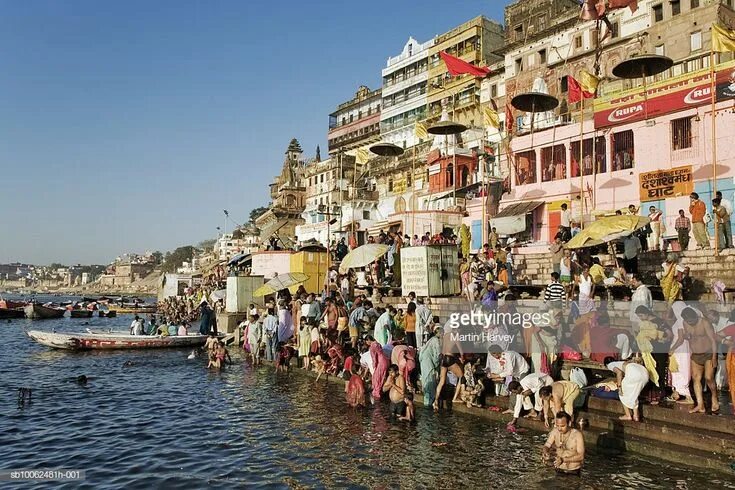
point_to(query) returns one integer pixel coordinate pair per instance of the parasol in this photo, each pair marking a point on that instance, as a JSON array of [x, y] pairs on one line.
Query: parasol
[[362, 256], [282, 281], [447, 128], [606, 230], [386, 150]]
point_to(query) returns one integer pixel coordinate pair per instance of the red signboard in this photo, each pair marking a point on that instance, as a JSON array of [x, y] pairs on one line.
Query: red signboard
[[672, 95]]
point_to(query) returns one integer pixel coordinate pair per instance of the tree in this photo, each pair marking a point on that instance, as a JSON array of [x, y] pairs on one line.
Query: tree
[[177, 257], [158, 257], [206, 244], [257, 212]]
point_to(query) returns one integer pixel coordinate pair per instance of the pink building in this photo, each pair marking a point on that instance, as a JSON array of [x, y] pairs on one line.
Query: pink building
[[651, 152]]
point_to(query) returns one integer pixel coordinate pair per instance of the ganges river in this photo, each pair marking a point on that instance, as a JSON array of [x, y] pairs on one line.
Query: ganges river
[[167, 422]]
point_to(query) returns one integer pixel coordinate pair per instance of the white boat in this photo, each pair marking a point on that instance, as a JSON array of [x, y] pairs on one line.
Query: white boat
[[108, 341]]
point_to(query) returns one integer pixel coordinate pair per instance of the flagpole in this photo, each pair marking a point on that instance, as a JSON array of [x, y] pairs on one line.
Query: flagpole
[[713, 93], [413, 192], [581, 162]]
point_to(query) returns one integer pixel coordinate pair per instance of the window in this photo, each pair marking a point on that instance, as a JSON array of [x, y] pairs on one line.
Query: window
[[494, 91], [588, 149], [518, 32], [365, 214], [660, 50], [694, 4], [553, 163], [541, 22], [615, 32], [675, 7], [623, 150], [531, 60], [519, 65], [542, 56], [564, 84], [658, 13], [695, 41], [450, 175], [578, 42], [525, 167], [681, 133]]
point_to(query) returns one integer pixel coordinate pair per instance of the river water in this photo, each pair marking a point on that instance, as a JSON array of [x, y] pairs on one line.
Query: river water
[[167, 422]]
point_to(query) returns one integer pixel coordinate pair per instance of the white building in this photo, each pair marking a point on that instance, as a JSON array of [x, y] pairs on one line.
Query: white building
[[242, 240], [404, 93]]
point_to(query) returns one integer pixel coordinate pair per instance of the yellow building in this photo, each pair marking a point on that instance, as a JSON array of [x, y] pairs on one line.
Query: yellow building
[[476, 42], [311, 261]]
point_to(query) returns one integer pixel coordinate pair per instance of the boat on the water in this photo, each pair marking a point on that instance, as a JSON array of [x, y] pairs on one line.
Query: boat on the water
[[107, 314], [133, 308], [81, 313], [109, 341], [7, 313], [35, 311], [11, 305]]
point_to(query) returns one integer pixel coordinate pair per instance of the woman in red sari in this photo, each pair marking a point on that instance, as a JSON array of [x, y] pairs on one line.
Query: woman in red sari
[[355, 387]]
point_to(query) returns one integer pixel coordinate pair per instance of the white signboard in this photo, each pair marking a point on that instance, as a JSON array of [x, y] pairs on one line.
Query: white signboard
[[414, 271]]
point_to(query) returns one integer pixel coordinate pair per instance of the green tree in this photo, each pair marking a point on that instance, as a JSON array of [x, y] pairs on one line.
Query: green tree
[[257, 212], [207, 244], [177, 257], [158, 257]]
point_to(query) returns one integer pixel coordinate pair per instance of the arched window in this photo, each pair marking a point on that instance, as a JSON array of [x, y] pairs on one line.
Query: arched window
[[450, 175]]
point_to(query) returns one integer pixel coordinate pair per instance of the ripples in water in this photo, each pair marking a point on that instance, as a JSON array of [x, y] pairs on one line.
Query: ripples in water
[[166, 422]]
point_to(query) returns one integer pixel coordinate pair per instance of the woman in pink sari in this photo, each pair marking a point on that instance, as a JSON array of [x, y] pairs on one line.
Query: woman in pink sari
[[404, 356], [380, 363]]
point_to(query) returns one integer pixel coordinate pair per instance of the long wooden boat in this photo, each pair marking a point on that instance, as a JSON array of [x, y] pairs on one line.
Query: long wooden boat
[[10, 305], [133, 309], [39, 312], [7, 313], [110, 341], [82, 313]]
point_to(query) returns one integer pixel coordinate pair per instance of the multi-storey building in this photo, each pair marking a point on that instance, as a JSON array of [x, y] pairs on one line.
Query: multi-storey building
[[278, 223], [355, 123], [404, 93], [627, 147], [476, 42]]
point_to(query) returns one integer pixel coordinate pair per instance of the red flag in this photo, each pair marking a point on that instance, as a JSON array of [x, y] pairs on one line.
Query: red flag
[[457, 66], [595, 9], [576, 92], [508, 119]]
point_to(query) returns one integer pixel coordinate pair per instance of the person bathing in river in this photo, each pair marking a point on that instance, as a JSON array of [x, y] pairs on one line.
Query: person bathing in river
[[564, 446], [395, 386]]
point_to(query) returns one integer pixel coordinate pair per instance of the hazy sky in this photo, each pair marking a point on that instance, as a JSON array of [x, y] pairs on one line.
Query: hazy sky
[[129, 126]]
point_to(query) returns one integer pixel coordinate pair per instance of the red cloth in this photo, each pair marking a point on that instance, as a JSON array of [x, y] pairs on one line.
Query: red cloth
[[576, 93], [509, 122], [355, 391], [603, 340], [545, 368], [456, 66], [348, 365]]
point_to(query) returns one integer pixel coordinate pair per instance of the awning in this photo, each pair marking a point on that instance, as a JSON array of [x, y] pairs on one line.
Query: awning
[[239, 259], [463, 191], [518, 209], [512, 219], [441, 196]]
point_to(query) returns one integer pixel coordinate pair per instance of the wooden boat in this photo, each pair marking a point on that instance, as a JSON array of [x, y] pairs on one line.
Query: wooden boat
[[7, 313], [81, 313], [109, 341], [133, 309], [107, 314], [35, 311], [11, 305]]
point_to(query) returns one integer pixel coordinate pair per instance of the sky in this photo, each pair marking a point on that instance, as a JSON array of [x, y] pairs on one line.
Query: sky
[[130, 126]]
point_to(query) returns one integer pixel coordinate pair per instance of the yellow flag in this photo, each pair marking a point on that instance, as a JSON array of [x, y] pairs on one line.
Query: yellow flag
[[491, 117], [588, 82], [420, 131], [361, 156], [722, 39]]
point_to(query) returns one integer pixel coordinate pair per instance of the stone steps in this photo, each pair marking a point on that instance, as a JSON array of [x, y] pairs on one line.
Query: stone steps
[[716, 443]]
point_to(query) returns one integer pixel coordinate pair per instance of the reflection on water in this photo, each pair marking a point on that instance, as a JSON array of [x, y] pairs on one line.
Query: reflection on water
[[166, 422]]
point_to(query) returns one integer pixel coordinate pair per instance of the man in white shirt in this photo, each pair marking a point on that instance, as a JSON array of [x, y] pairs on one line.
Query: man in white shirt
[[136, 327], [529, 385], [504, 364], [725, 203]]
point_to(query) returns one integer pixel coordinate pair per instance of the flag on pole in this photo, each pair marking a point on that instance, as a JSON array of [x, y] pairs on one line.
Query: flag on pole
[[596, 9], [361, 156], [456, 66], [585, 88], [722, 39], [491, 117], [508, 119], [420, 131]]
